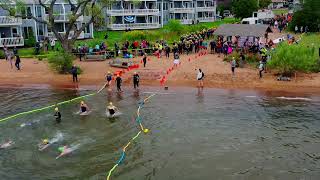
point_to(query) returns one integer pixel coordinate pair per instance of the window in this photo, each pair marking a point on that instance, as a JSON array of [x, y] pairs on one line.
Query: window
[[87, 29], [38, 11], [255, 14], [29, 12], [27, 32], [59, 27]]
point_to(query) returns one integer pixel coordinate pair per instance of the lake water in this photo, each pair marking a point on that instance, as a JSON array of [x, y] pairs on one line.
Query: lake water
[[214, 135]]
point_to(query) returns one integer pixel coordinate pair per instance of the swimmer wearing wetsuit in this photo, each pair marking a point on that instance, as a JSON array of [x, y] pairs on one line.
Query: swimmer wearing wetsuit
[[83, 107], [109, 78], [112, 109], [57, 114], [45, 143]]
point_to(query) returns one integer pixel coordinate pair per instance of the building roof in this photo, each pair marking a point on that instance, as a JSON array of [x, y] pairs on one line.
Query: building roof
[[243, 30]]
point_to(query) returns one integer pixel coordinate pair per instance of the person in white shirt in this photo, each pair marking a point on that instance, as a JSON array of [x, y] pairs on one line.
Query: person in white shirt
[[200, 77], [52, 43], [261, 68]]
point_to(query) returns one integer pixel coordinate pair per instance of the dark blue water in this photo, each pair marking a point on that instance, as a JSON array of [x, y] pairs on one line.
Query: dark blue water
[[217, 134]]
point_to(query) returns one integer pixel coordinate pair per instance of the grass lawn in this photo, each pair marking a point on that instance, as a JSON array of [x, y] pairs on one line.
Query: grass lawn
[[280, 11], [310, 40]]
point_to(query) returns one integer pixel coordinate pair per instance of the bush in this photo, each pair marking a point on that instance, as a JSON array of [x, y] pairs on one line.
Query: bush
[[31, 41], [2, 56], [288, 59], [175, 26], [134, 36], [61, 61]]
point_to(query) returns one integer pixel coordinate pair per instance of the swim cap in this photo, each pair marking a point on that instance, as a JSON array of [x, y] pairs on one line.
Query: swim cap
[[56, 109], [146, 131], [60, 149], [45, 141]]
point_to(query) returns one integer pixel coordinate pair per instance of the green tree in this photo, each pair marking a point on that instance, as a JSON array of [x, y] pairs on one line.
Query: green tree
[[264, 3], [309, 16], [89, 10], [244, 8]]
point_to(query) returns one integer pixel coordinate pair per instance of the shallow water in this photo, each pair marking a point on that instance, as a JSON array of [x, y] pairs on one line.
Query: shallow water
[[220, 134]]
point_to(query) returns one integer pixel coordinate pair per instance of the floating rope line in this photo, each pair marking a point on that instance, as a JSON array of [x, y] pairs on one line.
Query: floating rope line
[[142, 129], [47, 107]]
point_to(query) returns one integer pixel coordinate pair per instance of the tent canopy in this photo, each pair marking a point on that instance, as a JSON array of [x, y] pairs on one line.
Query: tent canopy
[[255, 30]]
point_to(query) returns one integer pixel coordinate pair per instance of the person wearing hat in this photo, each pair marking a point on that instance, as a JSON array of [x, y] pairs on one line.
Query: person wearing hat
[[118, 82], [83, 107], [44, 144], [111, 109], [136, 79], [57, 114], [109, 78]]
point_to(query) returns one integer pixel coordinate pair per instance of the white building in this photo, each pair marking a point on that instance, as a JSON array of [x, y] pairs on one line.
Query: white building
[[152, 14], [277, 4], [15, 30]]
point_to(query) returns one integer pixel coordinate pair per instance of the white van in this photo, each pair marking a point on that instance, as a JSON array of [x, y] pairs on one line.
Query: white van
[[250, 21]]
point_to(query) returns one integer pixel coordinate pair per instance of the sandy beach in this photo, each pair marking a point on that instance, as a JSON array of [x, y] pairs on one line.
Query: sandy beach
[[217, 75]]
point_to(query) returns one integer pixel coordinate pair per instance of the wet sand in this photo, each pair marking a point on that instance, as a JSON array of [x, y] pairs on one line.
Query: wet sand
[[217, 75]]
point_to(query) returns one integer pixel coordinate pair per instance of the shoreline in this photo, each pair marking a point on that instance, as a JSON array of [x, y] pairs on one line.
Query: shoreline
[[36, 74]]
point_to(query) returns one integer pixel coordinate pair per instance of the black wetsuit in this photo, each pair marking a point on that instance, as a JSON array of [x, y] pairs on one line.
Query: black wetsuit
[[58, 116], [109, 78], [118, 82], [83, 109], [144, 61], [112, 112], [136, 79]]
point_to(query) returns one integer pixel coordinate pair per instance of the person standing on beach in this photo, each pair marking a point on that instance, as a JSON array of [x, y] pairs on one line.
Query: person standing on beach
[[18, 61], [233, 65], [167, 49], [10, 58], [74, 72], [144, 59], [261, 68], [136, 79], [118, 82], [200, 77]]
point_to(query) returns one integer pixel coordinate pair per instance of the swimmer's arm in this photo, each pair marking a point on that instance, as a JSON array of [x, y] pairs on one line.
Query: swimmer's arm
[[44, 147], [60, 156]]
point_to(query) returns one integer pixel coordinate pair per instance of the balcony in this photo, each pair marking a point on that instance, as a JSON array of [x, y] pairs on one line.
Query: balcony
[[182, 10], [119, 12], [10, 21], [11, 42], [81, 36], [62, 17], [204, 9], [206, 19], [134, 26]]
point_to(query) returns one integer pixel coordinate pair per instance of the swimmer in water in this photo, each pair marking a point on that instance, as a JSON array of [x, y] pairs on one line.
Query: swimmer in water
[[45, 143], [83, 107], [7, 144], [111, 109], [64, 151], [57, 114], [48, 142]]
